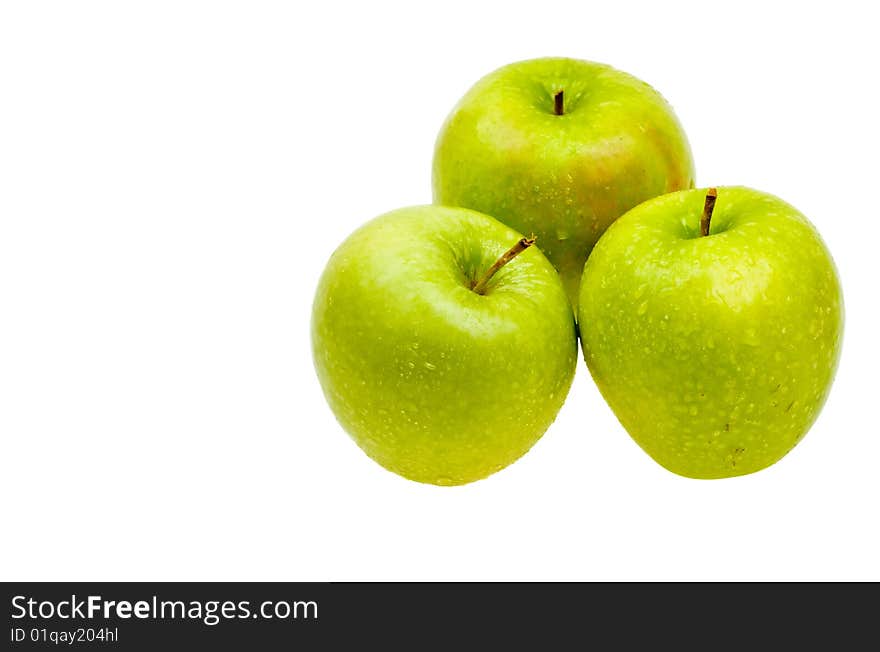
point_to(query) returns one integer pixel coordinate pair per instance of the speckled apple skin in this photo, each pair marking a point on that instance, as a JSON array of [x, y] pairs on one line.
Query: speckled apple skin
[[432, 380], [716, 353], [565, 178]]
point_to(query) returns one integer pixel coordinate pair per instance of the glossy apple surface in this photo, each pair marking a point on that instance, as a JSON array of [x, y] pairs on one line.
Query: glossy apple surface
[[434, 381], [505, 151], [715, 352]]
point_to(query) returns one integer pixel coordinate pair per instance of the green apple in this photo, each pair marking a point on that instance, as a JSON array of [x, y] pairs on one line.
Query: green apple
[[717, 351], [442, 352], [560, 148]]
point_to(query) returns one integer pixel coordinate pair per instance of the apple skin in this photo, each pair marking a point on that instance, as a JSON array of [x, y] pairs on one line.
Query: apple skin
[[716, 353], [433, 381], [503, 151]]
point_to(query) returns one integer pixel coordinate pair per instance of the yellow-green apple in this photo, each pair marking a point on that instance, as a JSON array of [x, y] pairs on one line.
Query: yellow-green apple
[[713, 330], [560, 148], [444, 343]]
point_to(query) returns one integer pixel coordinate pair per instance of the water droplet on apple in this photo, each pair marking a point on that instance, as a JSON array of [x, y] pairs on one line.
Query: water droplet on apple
[[429, 366]]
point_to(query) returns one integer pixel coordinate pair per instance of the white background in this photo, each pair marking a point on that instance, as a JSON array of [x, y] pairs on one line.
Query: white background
[[173, 177]]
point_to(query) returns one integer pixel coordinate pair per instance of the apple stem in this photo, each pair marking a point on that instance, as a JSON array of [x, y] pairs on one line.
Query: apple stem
[[708, 207], [558, 107], [524, 243]]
